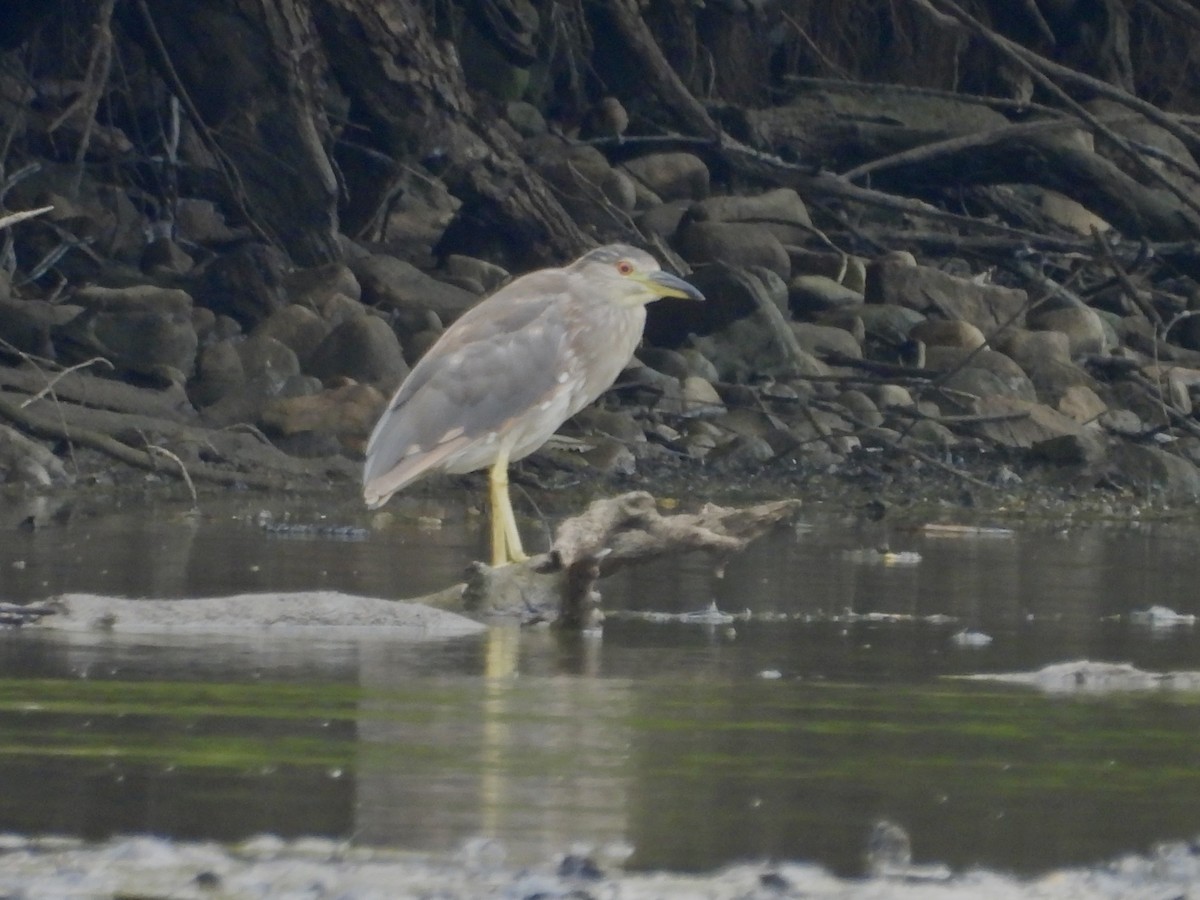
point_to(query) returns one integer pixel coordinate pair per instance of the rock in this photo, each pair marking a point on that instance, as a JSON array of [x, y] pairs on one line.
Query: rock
[[1086, 447], [144, 330], [1178, 382], [644, 198], [417, 345], [199, 222], [931, 433], [489, 275], [743, 451], [313, 286], [861, 407], [820, 340], [611, 457], [1081, 403], [1025, 347], [663, 220], [700, 397], [622, 192], [162, 256], [697, 446], [219, 372], [204, 321], [525, 118], [1032, 422], [348, 412], [892, 396], [669, 362], [738, 244], [1062, 210], [810, 295], [220, 328], [934, 293], [1122, 422], [751, 422], [338, 308], [896, 258], [395, 285], [886, 327], [672, 176], [849, 271], [855, 276], [1110, 321], [1154, 472], [781, 207], [246, 284], [1145, 408], [617, 423], [847, 320], [756, 346], [586, 183], [1052, 378], [982, 372], [365, 349], [662, 393], [698, 364], [878, 436], [263, 356], [1045, 357], [1082, 325], [247, 403], [606, 119], [739, 328], [296, 327], [943, 333]]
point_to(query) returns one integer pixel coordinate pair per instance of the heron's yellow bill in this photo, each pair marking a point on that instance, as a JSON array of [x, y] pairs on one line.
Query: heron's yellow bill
[[664, 284]]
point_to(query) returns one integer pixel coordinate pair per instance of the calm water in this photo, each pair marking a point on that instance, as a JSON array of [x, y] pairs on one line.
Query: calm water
[[661, 737]]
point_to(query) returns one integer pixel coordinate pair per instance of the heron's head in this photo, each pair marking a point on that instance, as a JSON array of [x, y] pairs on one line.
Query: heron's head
[[619, 273]]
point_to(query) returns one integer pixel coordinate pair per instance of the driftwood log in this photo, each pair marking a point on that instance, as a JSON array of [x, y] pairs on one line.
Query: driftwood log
[[561, 586]]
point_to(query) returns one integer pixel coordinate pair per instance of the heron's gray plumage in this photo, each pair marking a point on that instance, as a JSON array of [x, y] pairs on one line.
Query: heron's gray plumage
[[505, 375], [467, 386]]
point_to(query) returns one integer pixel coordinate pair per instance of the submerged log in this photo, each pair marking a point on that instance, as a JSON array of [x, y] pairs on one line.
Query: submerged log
[[560, 586]]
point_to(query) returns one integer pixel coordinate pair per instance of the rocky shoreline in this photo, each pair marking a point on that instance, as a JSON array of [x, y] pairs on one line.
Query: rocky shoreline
[[984, 333], [767, 379]]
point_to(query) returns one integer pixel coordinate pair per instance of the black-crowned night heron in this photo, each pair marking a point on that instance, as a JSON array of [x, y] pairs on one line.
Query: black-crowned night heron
[[502, 378]]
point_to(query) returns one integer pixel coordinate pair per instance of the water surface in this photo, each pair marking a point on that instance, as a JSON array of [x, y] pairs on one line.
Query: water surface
[[784, 734]]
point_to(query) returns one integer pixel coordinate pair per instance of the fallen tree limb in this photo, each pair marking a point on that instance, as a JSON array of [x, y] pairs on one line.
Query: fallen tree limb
[[560, 586], [290, 473]]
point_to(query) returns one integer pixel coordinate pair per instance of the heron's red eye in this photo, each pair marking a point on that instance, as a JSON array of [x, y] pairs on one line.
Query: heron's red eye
[[625, 267]]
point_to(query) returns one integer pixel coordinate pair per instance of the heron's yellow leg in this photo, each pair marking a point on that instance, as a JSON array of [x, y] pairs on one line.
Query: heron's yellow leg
[[506, 540], [515, 552]]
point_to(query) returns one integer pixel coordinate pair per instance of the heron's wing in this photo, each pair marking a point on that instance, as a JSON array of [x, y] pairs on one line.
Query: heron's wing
[[499, 360]]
